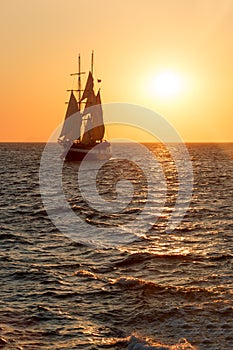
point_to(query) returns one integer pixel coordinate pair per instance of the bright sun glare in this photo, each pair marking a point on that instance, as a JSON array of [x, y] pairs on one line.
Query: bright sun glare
[[166, 84]]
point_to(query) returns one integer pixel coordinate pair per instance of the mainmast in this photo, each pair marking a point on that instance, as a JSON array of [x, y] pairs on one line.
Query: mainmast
[[92, 62], [79, 81]]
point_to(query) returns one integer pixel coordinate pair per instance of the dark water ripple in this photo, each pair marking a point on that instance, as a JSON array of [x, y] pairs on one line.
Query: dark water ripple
[[59, 294]]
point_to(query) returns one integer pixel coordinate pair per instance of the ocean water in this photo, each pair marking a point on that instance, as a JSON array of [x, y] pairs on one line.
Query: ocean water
[[163, 291]]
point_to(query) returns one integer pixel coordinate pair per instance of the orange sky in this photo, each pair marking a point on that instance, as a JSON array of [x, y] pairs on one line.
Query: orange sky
[[133, 41]]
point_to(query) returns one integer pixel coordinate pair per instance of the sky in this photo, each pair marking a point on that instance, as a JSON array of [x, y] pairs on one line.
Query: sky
[[135, 42]]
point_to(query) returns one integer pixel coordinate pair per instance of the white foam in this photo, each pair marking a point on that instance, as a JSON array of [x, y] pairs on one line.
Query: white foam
[[136, 343]]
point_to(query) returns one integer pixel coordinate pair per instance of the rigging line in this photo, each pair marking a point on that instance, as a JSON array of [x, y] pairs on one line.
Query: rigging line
[[73, 82], [96, 78]]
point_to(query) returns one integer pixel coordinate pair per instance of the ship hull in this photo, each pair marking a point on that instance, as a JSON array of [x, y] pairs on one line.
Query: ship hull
[[77, 152]]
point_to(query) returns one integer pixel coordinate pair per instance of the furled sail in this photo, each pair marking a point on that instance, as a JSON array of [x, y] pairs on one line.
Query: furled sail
[[71, 127]]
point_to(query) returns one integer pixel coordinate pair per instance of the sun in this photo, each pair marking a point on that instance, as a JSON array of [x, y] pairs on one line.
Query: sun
[[166, 84]]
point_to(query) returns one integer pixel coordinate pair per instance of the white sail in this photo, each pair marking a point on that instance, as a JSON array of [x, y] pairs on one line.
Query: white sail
[[87, 136], [73, 119]]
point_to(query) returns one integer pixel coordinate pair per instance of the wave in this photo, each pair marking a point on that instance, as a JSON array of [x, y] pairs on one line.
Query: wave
[[32, 316], [221, 257], [10, 237], [6, 236], [43, 277], [137, 258], [129, 283], [88, 274], [3, 342], [132, 283], [137, 342]]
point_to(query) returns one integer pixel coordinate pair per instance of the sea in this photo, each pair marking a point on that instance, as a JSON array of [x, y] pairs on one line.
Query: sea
[[162, 290]]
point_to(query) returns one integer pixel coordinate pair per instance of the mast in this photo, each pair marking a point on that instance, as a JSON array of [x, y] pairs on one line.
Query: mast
[[92, 62], [79, 81]]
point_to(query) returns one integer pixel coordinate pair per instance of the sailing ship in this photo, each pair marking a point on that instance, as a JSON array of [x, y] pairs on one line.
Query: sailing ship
[[83, 129]]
